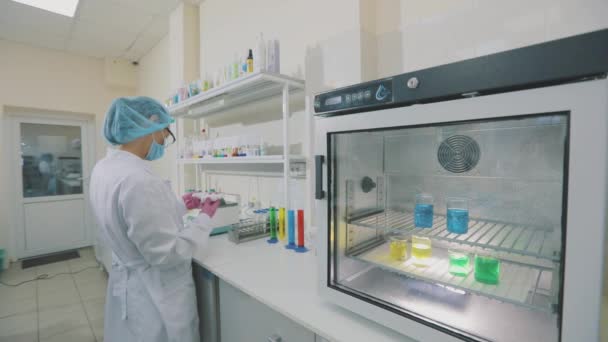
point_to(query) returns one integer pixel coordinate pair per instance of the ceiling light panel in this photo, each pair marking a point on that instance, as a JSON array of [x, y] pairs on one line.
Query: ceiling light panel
[[63, 7]]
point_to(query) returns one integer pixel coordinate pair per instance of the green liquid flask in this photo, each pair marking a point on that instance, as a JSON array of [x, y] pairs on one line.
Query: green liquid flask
[[460, 264], [487, 269]]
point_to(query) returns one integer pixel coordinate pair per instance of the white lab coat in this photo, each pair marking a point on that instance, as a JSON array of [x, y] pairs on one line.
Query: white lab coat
[[150, 294]]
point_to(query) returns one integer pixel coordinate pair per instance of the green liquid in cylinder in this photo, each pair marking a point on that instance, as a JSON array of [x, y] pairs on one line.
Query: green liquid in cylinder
[[459, 264], [272, 217], [487, 270]]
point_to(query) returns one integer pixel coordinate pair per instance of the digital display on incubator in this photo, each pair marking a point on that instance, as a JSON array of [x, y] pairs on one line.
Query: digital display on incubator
[[332, 101]]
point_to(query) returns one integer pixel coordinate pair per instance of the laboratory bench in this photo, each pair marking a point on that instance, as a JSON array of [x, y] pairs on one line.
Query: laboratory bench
[[256, 291]]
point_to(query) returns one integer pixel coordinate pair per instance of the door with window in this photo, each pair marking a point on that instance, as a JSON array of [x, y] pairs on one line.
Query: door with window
[[52, 164]]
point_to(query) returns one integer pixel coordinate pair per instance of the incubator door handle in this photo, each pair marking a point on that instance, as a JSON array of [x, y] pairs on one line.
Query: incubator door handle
[[319, 193]]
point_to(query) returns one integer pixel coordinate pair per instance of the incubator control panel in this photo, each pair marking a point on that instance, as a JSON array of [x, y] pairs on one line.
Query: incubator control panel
[[351, 98]]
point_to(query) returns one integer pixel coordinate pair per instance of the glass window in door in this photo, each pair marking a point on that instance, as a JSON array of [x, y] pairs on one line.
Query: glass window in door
[[51, 159]]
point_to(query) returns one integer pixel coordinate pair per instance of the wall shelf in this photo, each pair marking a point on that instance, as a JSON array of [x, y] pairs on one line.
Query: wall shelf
[[262, 90], [273, 159], [244, 90]]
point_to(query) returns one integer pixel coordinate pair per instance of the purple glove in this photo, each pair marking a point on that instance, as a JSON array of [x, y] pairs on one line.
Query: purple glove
[[209, 206], [191, 202]]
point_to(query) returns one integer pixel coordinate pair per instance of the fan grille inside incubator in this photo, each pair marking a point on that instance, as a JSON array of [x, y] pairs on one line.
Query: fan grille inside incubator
[[458, 153]]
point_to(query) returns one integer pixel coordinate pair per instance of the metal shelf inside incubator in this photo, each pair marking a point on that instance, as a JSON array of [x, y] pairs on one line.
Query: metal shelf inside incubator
[[519, 284], [501, 237]]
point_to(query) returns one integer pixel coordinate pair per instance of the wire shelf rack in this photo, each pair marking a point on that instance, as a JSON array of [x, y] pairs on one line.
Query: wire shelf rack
[[518, 284], [504, 237]]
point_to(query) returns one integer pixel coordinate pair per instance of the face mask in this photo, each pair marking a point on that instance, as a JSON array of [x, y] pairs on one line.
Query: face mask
[[156, 151]]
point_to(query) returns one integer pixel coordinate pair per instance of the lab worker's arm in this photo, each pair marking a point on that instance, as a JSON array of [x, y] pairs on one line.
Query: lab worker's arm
[[149, 211]]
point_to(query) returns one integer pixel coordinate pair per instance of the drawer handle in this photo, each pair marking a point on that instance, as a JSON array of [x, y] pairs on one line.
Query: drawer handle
[[274, 338]]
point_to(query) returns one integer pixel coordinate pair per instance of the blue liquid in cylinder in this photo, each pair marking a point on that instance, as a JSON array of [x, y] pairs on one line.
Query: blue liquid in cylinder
[[423, 215], [458, 221]]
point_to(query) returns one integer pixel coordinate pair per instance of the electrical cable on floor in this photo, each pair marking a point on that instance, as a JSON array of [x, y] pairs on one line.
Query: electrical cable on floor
[[46, 276]]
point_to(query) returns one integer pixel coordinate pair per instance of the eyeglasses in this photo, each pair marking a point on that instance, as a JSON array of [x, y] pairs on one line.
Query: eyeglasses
[[169, 140]]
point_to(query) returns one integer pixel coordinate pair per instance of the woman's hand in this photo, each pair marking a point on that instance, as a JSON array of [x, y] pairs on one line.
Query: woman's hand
[[210, 206]]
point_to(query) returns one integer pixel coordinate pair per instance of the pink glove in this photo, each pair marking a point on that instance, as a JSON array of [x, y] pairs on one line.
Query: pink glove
[[209, 206], [191, 202]]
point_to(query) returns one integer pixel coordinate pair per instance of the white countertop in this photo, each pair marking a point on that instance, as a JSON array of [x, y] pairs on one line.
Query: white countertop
[[287, 282]]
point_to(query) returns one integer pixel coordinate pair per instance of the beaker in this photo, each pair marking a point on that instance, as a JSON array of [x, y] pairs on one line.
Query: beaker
[[458, 215], [421, 250], [460, 262], [487, 269], [398, 247], [423, 212]]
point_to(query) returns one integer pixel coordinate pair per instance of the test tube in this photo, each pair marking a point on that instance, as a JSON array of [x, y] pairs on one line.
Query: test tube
[[282, 224], [291, 236], [272, 218], [301, 248]]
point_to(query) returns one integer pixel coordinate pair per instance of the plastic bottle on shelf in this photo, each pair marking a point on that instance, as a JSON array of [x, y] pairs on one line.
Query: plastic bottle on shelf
[[216, 79], [273, 57], [242, 146], [262, 148], [228, 72], [250, 61], [206, 84], [188, 147], [259, 54], [202, 151], [235, 67]]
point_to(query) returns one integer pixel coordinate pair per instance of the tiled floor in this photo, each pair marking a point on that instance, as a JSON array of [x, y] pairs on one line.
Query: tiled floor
[[66, 308]]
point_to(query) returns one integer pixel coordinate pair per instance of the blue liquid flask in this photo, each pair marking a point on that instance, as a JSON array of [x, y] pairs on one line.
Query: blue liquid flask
[[423, 212], [458, 215], [458, 221], [423, 215]]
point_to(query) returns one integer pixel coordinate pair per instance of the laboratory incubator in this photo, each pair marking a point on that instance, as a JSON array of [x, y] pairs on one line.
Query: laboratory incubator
[[467, 201]]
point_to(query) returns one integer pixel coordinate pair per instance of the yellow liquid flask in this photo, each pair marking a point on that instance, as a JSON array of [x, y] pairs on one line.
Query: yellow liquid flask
[[398, 247], [421, 250]]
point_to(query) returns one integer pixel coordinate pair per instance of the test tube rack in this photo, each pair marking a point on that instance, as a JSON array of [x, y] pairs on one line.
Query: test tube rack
[[248, 230]]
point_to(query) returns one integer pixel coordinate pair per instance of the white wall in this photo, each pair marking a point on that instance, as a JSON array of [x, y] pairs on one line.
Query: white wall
[[436, 32], [230, 27], [53, 81]]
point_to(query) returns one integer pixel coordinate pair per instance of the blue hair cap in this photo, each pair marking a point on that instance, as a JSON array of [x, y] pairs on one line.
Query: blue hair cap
[[130, 118]]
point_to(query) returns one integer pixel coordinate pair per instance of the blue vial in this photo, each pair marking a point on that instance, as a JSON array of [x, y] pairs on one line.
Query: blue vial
[[423, 215], [458, 221]]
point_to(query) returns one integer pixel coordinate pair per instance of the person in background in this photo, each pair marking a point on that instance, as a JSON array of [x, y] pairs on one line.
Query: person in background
[[47, 168], [150, 294]]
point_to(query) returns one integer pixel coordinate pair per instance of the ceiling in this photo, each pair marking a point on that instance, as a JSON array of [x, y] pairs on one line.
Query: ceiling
[[100, 28]]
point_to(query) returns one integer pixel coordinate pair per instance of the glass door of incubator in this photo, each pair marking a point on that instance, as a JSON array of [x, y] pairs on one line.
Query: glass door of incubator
[[458, 225]]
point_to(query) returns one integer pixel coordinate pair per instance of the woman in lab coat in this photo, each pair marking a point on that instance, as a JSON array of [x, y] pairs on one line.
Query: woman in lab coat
[[150, 293]]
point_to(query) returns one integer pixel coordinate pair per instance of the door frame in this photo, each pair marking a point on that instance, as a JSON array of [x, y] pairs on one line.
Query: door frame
[[15, 116]]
